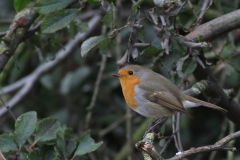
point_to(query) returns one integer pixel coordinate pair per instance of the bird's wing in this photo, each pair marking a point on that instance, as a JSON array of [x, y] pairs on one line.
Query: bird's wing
[[166, 100]]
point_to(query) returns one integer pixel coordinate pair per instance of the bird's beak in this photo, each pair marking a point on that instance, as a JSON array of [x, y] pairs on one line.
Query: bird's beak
[[116, 75]]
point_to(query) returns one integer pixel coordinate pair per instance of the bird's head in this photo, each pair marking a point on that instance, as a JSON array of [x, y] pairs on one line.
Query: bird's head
[[131, 73]]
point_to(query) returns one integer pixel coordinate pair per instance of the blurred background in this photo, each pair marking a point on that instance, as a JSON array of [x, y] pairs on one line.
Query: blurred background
[[66, 91]]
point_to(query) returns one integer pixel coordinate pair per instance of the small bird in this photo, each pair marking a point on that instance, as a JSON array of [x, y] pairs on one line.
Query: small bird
[[152, 95]]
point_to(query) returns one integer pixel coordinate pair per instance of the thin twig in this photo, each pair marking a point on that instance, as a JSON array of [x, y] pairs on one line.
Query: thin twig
[[226, 61], [95, 92], [223, 130], [2, 34], [32, 31], [204, 9], [112, 126], [191, 6], [8, 108], [183, 4], [166, 145], [174, 131], [129, 132], [178, 131]]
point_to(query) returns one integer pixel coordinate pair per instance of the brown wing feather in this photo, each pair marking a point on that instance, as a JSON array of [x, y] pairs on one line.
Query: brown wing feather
[[166, 100]]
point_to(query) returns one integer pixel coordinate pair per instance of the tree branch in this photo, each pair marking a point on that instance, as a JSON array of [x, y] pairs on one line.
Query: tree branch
[[219, 145], [216, 27], [61, 55], [148, 148], [14, 36], [210, 31]]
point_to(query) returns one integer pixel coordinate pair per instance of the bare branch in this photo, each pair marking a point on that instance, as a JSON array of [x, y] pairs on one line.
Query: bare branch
[[147, 147], [216, 27], [219, 145], [14, 86], [61, 55], [111, 127], [206, 5], [8, 108], [191, 6], [141, 45], [95, 92], [166, 145], [225, 60], [174, 135], [18, 30]]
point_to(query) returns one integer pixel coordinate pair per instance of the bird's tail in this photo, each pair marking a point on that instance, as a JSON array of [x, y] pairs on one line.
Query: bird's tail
[[206, 104]]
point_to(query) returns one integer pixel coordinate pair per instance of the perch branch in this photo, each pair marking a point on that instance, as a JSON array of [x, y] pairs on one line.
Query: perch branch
[[148, 148]]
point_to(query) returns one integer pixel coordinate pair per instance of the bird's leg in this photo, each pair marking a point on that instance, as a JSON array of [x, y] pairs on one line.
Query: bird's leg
[[153, 124]]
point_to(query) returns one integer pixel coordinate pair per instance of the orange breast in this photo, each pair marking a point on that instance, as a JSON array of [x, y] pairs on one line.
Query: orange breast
[[128, 86]]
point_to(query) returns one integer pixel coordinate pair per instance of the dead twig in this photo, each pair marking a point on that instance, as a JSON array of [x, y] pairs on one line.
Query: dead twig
[[8, 108], [95, 92]]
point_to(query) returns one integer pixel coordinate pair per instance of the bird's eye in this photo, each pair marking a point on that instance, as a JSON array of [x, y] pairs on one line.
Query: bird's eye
[[130, 72]]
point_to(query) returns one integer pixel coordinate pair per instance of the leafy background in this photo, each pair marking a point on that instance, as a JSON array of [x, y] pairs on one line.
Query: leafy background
[[65, 92]]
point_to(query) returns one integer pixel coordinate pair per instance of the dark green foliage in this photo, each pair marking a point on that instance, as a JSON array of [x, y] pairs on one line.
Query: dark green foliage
[[48, 129], [20, 4]]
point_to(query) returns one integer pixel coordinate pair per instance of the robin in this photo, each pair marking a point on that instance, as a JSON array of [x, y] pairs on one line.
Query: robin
[[152, 95]]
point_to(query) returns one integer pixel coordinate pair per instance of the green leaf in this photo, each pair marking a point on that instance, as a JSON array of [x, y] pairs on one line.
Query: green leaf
[[229, 69], [109, 18], [91, 44], [34, 156], [7, 143], [51, 155], [227, 50], [46, 130], [73, 79], [70, 147], [62, 129], [48, 6], [66, 147], [156, 43], [154, 49], [51, 23], [178, 45], [74, 29], [138, 3], [86, 145], [200, 37], [20, 4], [107, 43], [61, 144], [150, 51], [25, 126], [189, 66], [141, 35], [95, 2], [23, 156], [168, 60]]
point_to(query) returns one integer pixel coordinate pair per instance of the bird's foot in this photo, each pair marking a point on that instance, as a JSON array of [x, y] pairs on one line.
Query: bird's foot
[[153, 124]]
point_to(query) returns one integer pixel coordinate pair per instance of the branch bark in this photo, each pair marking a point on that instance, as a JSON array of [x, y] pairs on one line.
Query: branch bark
[[149, 149], [210, 31], [17, 31], [216, 27]]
